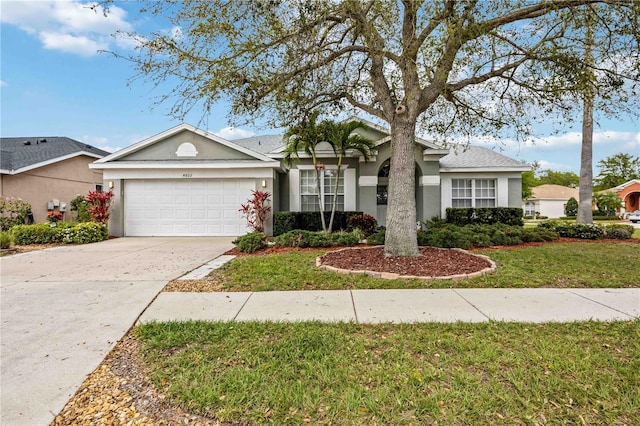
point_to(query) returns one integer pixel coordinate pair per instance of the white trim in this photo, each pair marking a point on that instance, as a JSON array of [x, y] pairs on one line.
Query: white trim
[[350, 189], [326, 166], [484, 169], [430, 180], [368, 181], [186, 173], [175, 130], [52, 161], [185, 165], [294, 190]]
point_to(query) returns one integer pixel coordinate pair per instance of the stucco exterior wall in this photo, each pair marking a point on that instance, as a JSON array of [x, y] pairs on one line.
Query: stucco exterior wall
[[63, 181], [206, 148], [515, 192]]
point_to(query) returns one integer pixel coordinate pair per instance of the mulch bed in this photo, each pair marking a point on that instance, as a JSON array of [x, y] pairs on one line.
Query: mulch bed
[[434, 262]]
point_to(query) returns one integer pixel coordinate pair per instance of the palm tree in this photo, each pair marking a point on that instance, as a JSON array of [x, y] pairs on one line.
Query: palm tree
[[306, 136], [343, 140]]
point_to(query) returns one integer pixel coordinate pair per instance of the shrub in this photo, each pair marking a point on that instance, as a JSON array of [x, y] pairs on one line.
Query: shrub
[[99, 203], [54, 216], [6, 239], [364, 222], [309, 221], [81, 206], [485, 215], [63, 232], [40, 233], [618, 231], [13, 211], [256, 210], [571, 208], [449, 238], [575, 230], [538, 234], [303, 238], [84, 233], [377, 238], [283, 222], [250, 242]]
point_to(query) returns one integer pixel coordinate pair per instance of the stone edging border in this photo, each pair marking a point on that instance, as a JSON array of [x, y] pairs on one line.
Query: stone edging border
[[392, 276]]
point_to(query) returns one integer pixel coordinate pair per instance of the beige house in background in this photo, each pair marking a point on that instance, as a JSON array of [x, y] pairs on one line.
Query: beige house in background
[[48, 172], [549, 200]]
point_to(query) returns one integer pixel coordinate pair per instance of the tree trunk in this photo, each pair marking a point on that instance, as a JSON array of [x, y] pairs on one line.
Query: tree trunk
[[585, 213], [320, 197], [401, 238], [334, 205]]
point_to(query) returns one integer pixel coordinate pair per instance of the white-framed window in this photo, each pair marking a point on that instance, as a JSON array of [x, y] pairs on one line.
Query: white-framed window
[[529, 209], [473, 193], [309, 194]]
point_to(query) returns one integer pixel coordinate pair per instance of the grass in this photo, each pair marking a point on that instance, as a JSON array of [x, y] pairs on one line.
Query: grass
[[350, 374], [551, 265]]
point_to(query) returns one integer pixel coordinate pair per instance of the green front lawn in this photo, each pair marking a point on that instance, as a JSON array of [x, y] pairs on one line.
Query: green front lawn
[[350, 374], [549, 265]]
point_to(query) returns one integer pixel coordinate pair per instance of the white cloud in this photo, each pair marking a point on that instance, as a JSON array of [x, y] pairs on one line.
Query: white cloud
[[231, 133], [548, 165], [3, 83], [67, 25], [69, 43]]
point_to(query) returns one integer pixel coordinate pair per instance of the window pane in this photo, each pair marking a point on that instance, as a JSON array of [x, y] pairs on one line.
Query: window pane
[[309, 203], [328, 200], [461, 192]]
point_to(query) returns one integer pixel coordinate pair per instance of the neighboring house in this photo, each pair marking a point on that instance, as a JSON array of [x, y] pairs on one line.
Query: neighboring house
[[629, 193], [48, 172], [186, 181], [549, 200]]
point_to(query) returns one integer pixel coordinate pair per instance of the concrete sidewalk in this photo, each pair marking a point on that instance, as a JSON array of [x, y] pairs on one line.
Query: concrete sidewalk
[[375, 306]]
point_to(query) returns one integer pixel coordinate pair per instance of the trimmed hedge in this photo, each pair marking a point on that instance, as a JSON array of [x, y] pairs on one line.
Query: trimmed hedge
[[63, 232], [446, 235], [595, 217], [309, 221], [485, 216], [589, 231], [303, 238]]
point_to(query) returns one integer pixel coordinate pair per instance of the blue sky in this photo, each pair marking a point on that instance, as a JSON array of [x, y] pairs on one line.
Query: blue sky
[[53, 82]]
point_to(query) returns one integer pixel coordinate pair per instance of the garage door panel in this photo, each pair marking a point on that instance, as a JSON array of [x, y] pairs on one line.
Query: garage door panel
[[186, 207]]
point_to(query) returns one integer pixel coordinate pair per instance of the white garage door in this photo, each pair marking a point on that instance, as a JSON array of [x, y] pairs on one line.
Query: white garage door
[[187, 207]]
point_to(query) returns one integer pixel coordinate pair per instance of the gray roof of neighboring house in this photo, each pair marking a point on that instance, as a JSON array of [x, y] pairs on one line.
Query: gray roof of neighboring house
[[18, 153], [477, 157], [263, 144]]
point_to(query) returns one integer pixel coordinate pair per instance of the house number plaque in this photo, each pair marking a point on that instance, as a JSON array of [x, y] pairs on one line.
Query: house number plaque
[[187, 175]]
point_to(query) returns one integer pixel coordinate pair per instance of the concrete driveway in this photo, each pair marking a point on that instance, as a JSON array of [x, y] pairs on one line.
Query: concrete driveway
[[63, 310]]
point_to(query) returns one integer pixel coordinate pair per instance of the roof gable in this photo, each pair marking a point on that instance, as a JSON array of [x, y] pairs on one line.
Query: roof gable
[[554, 192], [184, 143], [26, 153]]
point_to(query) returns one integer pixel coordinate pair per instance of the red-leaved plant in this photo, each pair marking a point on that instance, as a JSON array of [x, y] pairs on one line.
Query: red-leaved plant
[[256, 210], [99, 203]]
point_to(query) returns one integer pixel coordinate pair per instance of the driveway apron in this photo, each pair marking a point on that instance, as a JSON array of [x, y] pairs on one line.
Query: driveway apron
[[63, 309]]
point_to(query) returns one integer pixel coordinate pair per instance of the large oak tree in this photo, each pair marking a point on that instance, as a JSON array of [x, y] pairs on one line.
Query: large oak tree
[[441, 66]]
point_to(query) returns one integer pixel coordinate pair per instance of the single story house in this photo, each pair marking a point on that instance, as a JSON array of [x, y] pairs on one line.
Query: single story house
[[549, 200], [189, 182], [48, 172], [629, 193]]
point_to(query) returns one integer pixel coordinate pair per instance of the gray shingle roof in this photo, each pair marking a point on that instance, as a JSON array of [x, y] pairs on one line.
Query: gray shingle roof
[[263, 144], [16, 153], [477, 157]]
